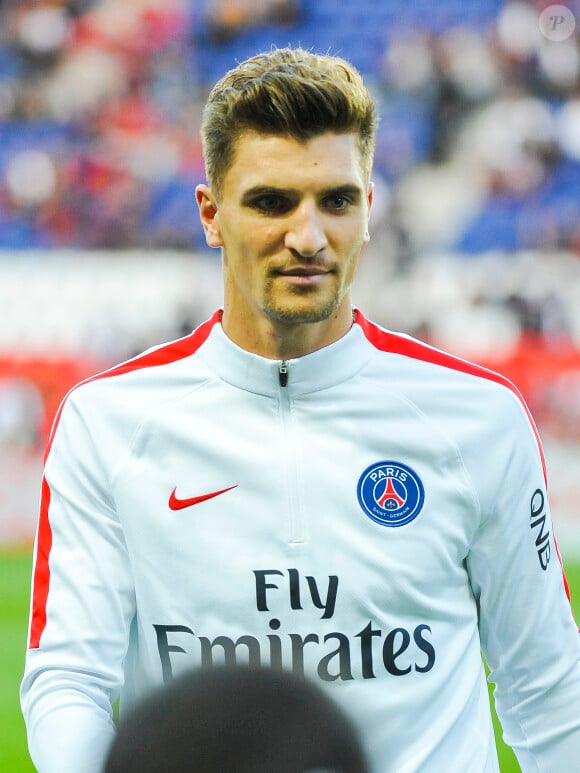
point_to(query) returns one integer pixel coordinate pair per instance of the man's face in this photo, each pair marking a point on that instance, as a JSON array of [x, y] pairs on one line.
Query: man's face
[[292, 220]]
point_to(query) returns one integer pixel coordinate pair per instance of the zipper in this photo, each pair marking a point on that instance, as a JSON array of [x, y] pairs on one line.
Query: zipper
[[290, 449]]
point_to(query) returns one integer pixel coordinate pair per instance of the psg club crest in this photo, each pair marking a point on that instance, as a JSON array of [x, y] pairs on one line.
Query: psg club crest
[[390, 493]]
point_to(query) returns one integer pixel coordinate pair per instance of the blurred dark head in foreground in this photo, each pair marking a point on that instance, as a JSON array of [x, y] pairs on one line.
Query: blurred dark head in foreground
[[237, 720]]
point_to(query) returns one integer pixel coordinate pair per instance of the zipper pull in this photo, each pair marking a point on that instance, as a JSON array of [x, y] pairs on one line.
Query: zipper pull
[[283, 373]]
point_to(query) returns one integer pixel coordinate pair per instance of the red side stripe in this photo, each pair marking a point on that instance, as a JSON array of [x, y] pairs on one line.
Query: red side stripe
[[386, 341], [41, 570], [172, 352]]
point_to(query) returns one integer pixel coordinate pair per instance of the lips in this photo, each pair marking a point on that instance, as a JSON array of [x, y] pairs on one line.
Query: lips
[[304, 276], [303, 271]]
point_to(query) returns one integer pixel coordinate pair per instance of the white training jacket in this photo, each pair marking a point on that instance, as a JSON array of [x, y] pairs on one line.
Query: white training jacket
[[373, 514]]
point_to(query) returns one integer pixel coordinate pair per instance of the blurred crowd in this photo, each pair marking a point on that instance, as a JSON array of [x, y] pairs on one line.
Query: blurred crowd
[[98, 116], [100, 104]]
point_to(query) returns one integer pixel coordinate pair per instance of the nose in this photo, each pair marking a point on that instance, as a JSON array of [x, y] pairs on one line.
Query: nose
[[306, 235]]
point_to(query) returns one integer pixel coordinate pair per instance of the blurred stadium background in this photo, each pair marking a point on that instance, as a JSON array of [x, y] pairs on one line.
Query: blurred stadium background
[[475, 239]]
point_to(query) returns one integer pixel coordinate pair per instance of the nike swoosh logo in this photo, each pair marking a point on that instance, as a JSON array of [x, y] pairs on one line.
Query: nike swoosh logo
[[181, 504]]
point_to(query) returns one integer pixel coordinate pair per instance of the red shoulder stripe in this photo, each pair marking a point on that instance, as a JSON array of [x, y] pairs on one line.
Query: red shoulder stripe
[[171, 352], [387, 341]]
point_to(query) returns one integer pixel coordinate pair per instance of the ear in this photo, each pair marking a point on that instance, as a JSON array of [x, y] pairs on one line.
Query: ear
[[208, 214], [370, 192]]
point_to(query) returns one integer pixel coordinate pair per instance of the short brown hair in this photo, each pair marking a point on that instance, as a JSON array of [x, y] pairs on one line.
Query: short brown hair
[[286, 91]]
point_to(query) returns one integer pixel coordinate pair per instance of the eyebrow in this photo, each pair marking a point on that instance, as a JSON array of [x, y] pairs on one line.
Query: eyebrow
[[265, 190], [272, 190]]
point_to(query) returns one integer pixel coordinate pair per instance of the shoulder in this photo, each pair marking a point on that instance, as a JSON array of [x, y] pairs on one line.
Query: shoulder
[[442, 367], [449, 388], [126, 392]]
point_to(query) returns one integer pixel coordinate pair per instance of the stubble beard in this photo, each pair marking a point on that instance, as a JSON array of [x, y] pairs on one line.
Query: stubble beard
[[299, 313]]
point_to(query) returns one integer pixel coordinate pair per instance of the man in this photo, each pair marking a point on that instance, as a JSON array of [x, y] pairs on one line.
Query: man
[[293, 486], [237, 718]]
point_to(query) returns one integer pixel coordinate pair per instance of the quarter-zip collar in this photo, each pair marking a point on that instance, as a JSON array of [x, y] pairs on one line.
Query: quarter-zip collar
[[321, 369]]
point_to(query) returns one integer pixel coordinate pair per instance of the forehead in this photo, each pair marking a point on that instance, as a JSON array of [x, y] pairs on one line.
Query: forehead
[[327, 160]]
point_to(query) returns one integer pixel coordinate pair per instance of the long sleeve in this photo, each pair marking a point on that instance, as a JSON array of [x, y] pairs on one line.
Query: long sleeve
[[527, 630], [82, 606]]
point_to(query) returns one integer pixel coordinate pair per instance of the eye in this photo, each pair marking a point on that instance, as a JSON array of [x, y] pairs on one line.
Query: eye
[[338, 202], [272, 204]]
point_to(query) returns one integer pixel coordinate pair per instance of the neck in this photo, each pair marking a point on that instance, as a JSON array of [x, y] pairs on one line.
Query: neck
[[284, 341]]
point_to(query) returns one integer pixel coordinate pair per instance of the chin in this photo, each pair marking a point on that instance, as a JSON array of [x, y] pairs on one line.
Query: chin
[[297, 313]]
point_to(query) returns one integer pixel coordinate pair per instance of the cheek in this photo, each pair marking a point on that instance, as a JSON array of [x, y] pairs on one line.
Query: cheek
[[351, 260], [253, 240], [352, 266], [351, 232], [264, 236], [352, 240]]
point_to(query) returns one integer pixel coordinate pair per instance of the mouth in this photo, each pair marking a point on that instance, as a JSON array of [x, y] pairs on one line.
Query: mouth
[[304, 275], [303, 271]]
